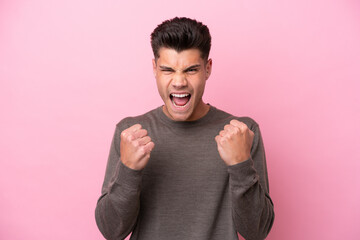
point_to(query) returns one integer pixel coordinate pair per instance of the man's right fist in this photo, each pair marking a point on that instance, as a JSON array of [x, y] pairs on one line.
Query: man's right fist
[[135, 147]]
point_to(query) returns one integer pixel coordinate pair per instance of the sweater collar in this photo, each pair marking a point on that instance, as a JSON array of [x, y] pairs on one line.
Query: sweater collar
[[185, 124]]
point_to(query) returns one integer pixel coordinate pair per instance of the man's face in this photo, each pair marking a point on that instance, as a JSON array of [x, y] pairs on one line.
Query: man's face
[[181, 78]]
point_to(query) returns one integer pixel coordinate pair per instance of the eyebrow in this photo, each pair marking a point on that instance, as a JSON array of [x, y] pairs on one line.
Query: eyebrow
[[188, 68], [165, 68], [193, 66]]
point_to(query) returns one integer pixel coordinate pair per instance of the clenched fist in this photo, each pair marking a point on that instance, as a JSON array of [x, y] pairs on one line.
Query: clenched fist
[[234, 142], [135, 147]]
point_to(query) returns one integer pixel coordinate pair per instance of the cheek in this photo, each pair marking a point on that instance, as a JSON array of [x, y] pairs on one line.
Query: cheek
[[199, 86], [161, 88], [163, 81]]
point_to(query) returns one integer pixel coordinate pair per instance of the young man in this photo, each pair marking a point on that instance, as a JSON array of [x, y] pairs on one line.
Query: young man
[[185, 170]]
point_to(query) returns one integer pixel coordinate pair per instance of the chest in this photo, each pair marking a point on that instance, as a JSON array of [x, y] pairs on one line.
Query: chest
[[186, 161]]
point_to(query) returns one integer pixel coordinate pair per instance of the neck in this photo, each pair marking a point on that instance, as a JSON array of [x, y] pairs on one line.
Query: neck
[[201, 111]]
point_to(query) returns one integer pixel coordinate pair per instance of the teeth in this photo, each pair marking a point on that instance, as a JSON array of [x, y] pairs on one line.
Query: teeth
[[180, 95]]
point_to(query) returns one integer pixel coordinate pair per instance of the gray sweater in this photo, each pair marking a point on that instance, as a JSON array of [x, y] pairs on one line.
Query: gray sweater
[[186, 191]]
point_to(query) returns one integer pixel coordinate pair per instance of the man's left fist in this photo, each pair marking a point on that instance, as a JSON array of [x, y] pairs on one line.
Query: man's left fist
[[234, 142]]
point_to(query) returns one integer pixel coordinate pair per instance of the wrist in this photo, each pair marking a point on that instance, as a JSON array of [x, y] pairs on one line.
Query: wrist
[[239, 160]]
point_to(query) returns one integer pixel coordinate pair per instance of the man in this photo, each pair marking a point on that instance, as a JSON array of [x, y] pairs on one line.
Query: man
[[185, 170]]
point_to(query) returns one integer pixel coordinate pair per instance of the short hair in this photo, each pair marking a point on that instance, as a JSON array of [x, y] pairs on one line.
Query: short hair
[[181, 34]]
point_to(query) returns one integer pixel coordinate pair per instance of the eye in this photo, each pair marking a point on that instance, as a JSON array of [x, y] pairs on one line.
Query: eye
[[167, 71], [192, 70]]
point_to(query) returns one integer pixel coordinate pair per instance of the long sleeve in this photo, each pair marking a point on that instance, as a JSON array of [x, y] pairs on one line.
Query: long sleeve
[[118, 206], [252, 208]]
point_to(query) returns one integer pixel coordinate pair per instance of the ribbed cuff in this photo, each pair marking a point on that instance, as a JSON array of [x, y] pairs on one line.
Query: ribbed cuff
[[243, 174], [128, 177]]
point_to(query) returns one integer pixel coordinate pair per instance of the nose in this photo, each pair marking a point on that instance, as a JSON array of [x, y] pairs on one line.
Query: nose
[[179, 80]]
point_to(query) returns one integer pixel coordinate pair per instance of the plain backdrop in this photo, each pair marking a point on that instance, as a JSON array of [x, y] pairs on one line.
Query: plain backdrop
[[71, 69]]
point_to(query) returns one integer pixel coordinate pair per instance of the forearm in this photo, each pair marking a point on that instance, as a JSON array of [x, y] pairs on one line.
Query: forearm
[[117, 209], [252, 208]]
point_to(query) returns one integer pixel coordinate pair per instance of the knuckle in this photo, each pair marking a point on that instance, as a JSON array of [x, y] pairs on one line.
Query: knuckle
[[142, 151], [129, 137], [123, 134], [234, 121], [243, 127], [237, 130], [136, 143]]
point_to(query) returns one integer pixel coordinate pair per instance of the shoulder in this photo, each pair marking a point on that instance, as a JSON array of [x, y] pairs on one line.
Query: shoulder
[[251, 123], [140, 119], [227, 117]]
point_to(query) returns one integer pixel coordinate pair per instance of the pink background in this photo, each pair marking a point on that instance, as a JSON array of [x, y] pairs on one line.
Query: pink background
[[71, 69]]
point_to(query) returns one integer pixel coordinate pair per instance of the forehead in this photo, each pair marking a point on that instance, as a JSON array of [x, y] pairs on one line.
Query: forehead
[[171, 58]]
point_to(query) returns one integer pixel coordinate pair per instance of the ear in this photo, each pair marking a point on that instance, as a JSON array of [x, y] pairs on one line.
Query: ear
[[154, 67], [208, 68]]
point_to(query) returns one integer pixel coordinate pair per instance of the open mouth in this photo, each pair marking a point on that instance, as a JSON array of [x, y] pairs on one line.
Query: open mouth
[[180, 100]]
